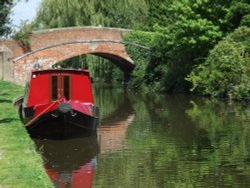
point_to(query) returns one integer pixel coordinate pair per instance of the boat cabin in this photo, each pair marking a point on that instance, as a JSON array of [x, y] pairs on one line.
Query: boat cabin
[[46, 86]]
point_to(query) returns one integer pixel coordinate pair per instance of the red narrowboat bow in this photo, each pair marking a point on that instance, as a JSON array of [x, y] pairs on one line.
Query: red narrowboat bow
[[58, 103]]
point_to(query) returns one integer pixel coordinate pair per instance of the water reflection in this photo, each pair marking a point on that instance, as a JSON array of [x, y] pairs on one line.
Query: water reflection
[[180, 141], [160, 141], [112, 134], [70, 163], [113, 129]]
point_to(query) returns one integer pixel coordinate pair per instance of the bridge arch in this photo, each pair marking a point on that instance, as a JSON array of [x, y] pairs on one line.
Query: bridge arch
[[48, 47]]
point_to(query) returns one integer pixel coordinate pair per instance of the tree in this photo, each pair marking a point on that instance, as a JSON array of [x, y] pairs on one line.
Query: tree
[[66, 13], [185, 32], [226, 71], [184, 41], [5, 9], [238, 14]]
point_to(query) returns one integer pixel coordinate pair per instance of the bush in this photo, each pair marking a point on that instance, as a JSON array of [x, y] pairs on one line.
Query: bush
[[141, 57], [226, 71]]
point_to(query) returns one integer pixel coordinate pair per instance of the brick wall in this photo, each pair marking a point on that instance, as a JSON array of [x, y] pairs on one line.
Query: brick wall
[[116, 52]]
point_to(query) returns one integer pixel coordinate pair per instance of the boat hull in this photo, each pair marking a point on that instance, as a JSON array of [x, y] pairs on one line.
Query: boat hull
[[55, 125], [58, 103]]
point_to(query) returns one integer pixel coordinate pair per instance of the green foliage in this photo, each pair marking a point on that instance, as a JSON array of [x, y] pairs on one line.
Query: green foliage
[[22, 36], [156, 13], [183, 42], [125, 14], [5, 10], [139, 77], [226, 71], [183, 37], [51, 13], [238, 14]]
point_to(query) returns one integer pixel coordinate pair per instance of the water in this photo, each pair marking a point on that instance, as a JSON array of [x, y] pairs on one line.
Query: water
[[155, 141]]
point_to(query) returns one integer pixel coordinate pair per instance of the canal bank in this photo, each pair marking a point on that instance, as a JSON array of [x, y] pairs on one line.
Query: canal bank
[[20, 165]]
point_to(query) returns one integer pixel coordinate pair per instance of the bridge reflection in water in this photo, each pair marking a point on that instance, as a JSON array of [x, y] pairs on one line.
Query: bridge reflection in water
[[71, 163]]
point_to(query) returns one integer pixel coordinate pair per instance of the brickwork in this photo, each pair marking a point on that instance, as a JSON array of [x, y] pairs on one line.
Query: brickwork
[[60, 51]]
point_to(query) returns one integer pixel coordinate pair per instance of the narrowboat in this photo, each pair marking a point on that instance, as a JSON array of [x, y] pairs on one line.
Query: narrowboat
[[58, 103]]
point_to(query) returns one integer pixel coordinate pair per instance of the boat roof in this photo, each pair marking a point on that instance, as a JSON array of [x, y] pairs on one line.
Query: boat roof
[[61, 70]]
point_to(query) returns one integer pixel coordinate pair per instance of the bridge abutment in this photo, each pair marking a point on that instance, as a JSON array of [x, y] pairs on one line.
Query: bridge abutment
[[6, 65]]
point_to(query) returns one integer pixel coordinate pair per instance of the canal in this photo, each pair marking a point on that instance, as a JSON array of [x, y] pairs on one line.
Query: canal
[[155, 141]]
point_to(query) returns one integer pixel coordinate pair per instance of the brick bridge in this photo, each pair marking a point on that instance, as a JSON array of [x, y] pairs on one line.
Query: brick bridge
[[48, 47]]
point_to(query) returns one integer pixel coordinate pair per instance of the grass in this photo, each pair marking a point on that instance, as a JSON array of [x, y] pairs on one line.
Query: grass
[[20, 165]]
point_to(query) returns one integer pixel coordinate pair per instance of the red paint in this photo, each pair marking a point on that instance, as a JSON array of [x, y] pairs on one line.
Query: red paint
[[81, 178], [40, 86], [40, 94], [81, 90]]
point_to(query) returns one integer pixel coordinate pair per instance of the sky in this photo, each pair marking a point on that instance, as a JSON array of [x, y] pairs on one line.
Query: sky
[[24, 11]]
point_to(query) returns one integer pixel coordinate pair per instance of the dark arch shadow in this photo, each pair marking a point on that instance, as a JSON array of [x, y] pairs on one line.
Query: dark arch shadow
[[122, 63]]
